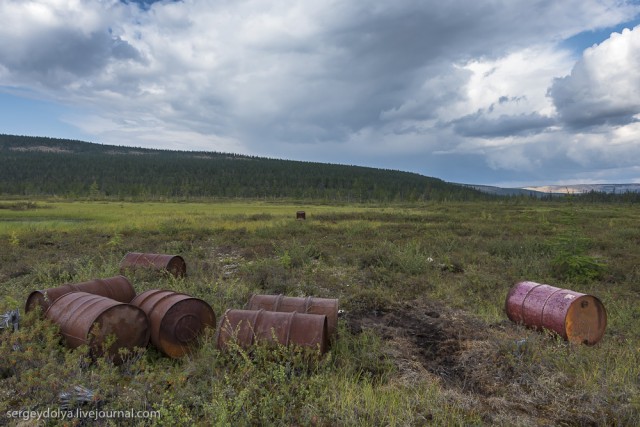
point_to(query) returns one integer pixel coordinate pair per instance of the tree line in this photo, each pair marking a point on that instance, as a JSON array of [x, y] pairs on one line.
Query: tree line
[[39, 166]]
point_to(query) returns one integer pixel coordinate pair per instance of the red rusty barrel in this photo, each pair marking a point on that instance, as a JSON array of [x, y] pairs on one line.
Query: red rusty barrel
[[308, 305], [117, 288], [177, 320], [173, 264], [90, 319], [249, 326], [576, 317]]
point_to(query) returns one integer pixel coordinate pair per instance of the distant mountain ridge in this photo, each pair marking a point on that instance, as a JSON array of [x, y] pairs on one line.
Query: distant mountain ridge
[[558, 190], [586, 188], [31, 166]]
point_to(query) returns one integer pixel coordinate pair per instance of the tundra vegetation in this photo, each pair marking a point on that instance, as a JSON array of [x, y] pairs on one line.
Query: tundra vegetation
[[423, 340]]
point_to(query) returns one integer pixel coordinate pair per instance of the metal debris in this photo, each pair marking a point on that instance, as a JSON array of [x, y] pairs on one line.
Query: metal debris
[[78, 397], [10, 319]]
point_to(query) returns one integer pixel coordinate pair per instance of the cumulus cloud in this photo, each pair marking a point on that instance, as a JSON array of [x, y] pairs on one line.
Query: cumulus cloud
[[604, 86]]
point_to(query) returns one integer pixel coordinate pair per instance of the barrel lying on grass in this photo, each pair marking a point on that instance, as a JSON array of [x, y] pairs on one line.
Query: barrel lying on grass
[[90, 319], [308, 305], [250, 326], [576, 317], [117, 288], [177, 320], [173, 264]]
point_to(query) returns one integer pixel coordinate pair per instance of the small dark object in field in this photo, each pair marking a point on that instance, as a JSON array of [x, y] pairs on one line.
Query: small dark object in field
[[10, 319], [576, 317], [173, 264], [301, 215], [452, 267]]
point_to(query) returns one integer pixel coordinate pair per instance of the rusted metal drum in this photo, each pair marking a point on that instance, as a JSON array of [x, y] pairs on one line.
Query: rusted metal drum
[[308, 305], [173, 264], [301, 215], [177, 320], [117, 288], [90, 319], [576, 317], [251, 326]]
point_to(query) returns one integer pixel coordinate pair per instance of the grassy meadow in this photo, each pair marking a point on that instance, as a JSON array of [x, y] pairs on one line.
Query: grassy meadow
[[423, 340]]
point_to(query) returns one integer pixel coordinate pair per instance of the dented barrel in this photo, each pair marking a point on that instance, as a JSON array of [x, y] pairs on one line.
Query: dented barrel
[[576, 317], [177, 320], [173, 264], [90, 319], [248, 327], [117, 288], [308, 305]]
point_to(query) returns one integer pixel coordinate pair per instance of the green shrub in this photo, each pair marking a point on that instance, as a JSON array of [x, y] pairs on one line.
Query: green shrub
[[577, 268]]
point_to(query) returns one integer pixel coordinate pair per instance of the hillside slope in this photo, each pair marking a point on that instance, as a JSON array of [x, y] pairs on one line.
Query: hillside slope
[[46, 166]]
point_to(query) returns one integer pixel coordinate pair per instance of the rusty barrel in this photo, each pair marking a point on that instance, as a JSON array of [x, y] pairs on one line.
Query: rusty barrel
[[117, 288], [576, 317], [177, 320], [308, 305], [90, 319], [173, 264], [251, 326]]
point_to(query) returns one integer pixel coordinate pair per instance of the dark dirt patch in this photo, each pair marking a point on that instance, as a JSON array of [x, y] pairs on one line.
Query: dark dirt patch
[[427, 333]]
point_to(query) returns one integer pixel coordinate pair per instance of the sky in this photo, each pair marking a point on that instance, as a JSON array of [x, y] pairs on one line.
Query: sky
[[495, 92]]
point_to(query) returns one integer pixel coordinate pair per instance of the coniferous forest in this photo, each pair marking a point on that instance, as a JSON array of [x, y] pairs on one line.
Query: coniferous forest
[[40, 166]]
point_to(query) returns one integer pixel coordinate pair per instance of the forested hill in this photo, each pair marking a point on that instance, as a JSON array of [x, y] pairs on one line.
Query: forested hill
[[37, 166]]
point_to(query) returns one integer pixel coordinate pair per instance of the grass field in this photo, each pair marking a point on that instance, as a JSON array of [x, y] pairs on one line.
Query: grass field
[[424, 338]]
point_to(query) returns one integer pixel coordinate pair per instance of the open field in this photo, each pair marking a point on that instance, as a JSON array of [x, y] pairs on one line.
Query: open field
[[424, 338]]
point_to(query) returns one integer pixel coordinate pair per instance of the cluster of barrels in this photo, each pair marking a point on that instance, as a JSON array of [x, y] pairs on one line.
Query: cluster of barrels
[[91, 312]]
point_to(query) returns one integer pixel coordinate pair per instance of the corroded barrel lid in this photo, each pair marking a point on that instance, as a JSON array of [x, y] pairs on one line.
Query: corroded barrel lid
[[177, 320], [92, 319]]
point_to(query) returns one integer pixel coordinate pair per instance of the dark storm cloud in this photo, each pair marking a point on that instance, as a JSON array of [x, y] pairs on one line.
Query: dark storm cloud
[[479, 125], [578, 108], [60, 56]]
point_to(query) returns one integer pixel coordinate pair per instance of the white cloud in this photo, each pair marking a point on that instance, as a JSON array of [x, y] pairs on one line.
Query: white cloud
[[604, 85]]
